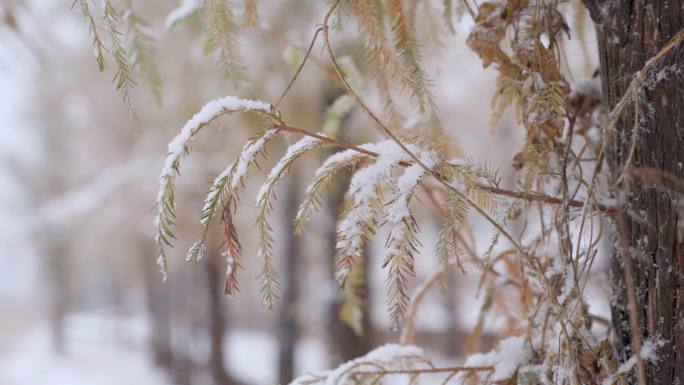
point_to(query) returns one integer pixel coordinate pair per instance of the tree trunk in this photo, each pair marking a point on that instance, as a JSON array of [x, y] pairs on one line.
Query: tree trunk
[[217, 321], [159, 312], [58, 278], [287, 318], [629, 33]]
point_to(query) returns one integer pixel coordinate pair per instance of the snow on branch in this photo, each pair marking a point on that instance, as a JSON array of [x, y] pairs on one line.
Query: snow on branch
[[510, 354], [358, 224], [402, 241], [380, 359], [265, 197], [223, 196], [323, 177], [179, 146], [648, 353]]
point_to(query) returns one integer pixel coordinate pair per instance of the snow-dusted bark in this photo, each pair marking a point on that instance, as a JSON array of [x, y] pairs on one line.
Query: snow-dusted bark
[[648, 256]]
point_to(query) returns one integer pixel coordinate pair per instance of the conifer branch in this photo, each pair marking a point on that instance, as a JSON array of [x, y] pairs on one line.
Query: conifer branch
[[265, 198], [98, 46], [408, 50], [509, 35], [449, 246], [323, 178], [122, 78], [180, 146], [222, 197], [141, 49], [402, 241], [358, 223], [222, 30], [524, 195]]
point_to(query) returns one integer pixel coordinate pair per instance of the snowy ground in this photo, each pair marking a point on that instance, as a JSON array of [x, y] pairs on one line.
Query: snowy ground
[[103, 350], [99, 352]]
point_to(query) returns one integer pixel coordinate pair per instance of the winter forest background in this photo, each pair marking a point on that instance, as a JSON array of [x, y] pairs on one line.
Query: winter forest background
[[82, 300]]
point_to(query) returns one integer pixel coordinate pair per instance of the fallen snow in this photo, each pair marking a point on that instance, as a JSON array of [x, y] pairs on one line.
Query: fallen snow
[[208, 112], [386, 355], [648, 353], [406, 183], [247, 156], [106, 349], [93, 357], [506, 358]]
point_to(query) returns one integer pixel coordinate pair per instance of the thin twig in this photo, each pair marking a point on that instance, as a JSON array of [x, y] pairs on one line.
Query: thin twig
[[406, 337], [395, 138], [426, 370], [299, 69], [525, 195], [275, 35], [469, 9]]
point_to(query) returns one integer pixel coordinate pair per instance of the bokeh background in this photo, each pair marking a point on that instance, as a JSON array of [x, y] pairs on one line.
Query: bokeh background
[[81, 298]]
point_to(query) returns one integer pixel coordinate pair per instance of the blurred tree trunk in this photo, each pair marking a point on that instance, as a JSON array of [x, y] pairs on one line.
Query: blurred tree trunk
[[343, 342], [451, 345], [58, 282], [158, 307], [630, 33], [160, 314], [55, 248], [287, 317], [217, 320]]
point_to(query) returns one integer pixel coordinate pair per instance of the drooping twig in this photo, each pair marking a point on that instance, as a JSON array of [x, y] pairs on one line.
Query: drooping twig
[[449, 369], [525, 195]]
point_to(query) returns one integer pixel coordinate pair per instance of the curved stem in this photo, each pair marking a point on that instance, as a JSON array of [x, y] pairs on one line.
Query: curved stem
[[526, 195], [299, 69], [420, 292], [395, 138], [449, 369]]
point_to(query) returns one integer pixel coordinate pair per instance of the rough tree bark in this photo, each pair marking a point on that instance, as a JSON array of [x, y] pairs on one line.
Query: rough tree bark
[[629, 33]]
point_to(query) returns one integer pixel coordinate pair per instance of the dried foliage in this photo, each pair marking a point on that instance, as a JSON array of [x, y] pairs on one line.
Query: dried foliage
[[529, 75], [393, 49], [123, 77], [265, 198], [98, 46], [222, 31], [448, 242], [141, 49], [222, 198], [323, 178], [180, 146], [533, 281], [131, 44]]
